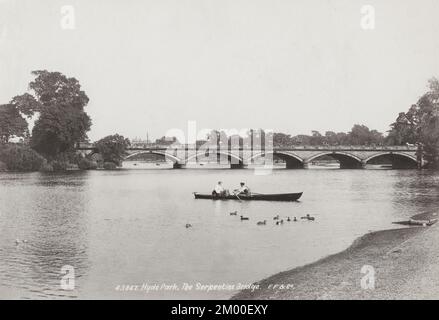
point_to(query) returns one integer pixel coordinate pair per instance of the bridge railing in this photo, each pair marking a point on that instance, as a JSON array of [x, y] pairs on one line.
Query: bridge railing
[[289, 148]]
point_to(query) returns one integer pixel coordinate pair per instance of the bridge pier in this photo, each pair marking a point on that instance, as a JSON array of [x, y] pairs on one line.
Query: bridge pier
[[295, 164], [236, 166], [351, 165], [177, 165]]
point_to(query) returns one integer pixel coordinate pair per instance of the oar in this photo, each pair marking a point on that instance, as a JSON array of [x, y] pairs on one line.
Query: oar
[[236, 195]]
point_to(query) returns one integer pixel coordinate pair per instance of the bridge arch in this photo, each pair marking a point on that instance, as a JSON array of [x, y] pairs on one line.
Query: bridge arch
[[292, 161], [165, 154], [346, 159], [238, 159], [399, 160]]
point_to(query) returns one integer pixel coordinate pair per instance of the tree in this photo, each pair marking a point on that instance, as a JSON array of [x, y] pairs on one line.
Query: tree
[[113, 148], [316, 138], [59, 103], [362, 135], [420, 124], [11, 123], [403, 130]]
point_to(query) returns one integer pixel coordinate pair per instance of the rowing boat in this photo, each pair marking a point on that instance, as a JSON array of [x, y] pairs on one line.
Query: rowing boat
[[252, 196]]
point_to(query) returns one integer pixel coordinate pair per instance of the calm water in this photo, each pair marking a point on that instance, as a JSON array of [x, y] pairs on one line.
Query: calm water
[[128, 227]]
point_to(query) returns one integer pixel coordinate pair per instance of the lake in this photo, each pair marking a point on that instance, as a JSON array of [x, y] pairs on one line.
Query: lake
[[126, 228]]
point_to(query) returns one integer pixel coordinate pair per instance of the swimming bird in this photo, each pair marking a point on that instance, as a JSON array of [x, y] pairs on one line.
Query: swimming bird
[[233, 213], [295, 219], [188, 225], [308, 217], [276, 217], [281, 221], [261, 223], [244, 218], [17, 241], [277, 223], [288, 219]]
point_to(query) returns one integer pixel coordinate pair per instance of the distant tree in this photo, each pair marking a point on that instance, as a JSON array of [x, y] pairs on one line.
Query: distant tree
[[12, 124], [316, 138], [113, 148], [59, 103], [166, 140], [331, 138], [362, 135], [282, 140]]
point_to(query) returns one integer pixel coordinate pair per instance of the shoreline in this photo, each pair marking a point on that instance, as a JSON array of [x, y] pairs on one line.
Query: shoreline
[[401, 259]]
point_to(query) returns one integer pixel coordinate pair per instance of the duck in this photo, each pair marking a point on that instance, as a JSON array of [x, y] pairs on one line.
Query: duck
[[233, 213], [281, 221], [244, 218], [295, 219], [308, 217], [261, 223], [288, 219], [277, 223], [188, 225], [276, 217], [17, 241]]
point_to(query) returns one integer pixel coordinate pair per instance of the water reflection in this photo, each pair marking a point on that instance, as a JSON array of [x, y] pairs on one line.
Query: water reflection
[[43, 228], [127, 227]]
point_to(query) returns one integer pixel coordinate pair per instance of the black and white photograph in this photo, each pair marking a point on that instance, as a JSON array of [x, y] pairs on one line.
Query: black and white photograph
[[219, 150]]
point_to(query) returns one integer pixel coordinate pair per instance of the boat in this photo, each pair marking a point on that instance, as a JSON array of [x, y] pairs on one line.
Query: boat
[[413, 222], [252, 196]]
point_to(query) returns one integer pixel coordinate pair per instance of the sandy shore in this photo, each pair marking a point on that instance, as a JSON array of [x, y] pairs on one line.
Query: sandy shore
[[405, 263]]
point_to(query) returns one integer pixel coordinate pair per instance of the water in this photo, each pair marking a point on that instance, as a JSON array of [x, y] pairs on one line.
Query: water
[[127, 227]]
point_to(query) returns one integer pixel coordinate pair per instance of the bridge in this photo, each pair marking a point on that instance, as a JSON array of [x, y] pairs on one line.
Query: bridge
[[296, 157]]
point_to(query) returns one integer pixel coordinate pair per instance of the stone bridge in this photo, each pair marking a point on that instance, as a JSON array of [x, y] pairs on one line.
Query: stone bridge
[[349, 157]]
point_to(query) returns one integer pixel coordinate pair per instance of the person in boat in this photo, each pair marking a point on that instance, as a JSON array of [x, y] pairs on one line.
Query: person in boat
[[243, 189], [219, 191]]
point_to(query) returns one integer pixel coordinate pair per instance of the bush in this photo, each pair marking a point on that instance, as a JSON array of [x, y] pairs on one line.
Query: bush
[[110, 166], [58, 165], [46, 167], [87, 164], [18, 157]]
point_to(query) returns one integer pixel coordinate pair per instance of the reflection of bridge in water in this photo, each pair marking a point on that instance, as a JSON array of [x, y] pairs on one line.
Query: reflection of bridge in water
[[349, 157]]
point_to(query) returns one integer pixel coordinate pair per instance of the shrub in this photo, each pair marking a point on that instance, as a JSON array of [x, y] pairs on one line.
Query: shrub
[[87, 164], [58, 165], [110, 166], [18, 157], [46, 167]]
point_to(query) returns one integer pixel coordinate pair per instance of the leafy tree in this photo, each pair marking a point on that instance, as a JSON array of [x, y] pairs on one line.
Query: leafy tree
[[362, 135], [113, 148], [166, 141], [316, 138], [281, 140], [420, 124], [11, 123], [59, 103]]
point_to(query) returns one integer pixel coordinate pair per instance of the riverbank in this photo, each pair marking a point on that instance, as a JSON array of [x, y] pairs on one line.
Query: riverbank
[[405, 261]]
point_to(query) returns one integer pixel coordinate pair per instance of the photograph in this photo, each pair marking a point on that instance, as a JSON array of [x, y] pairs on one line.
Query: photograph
[[215, 153]]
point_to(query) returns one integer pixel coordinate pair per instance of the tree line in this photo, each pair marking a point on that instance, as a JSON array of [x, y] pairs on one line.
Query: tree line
[[56, 104]]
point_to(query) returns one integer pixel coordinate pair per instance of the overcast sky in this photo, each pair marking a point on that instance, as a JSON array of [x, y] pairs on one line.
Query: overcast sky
[[288, 65]]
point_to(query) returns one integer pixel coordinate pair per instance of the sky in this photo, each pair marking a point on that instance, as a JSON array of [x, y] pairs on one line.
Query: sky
[[290, 66]]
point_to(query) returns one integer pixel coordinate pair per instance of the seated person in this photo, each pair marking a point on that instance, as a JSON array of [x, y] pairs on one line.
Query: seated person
[[243, 189], [219, 190]]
